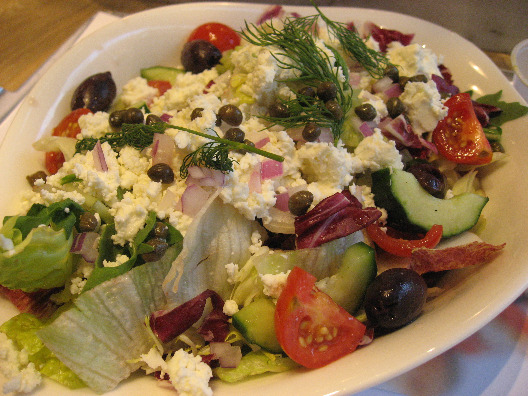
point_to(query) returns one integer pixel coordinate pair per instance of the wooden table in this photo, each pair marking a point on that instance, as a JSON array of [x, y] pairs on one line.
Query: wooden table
[[32, 30]]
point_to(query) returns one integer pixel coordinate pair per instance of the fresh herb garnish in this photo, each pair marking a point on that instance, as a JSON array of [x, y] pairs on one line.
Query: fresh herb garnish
[[214, 155], [297, 48], [71, 178]]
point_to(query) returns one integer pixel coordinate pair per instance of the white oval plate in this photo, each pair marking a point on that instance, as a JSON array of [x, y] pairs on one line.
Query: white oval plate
[[474, 297]]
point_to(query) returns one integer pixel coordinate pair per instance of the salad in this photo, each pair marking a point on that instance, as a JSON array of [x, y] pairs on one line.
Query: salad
[[222, 218]]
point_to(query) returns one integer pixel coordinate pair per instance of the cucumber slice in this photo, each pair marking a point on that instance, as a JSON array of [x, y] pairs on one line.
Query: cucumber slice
[[163, 73], [410, 206], [348, 286], [256, 322], [100, 337]]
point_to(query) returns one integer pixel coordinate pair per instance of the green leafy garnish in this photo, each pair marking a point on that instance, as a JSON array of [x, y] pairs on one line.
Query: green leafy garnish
[[71, 178]]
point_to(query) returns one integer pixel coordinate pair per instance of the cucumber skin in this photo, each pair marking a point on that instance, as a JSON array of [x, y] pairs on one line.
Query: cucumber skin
[[404, 211], [256, 322]]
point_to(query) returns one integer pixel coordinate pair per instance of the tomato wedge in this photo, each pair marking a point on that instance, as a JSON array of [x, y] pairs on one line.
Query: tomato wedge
[[459, 137], [68, 127], [404, 247], [222, 36], [162, 85], [311, 328]]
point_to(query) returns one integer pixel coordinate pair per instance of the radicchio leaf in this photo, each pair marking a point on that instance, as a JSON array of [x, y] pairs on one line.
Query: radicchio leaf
[[167, 325], [334, 217], [386, 36]]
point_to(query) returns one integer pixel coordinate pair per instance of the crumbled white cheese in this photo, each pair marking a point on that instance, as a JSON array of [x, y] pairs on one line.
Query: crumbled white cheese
[[232, 272], [187, 373], [120, 259], [230, 307], [6, 243], [94, 124], [413, 59], [375, 152], [21, 375], [274, 283], [424, 105], [137, 91]]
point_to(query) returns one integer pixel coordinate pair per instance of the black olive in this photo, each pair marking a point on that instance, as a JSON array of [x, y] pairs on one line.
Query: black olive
[[196, 113], [429, 177], [235, 135], [32, 179], [153, 119], [88, 222], [200, 55], [247, 142], [133, 115], [96, 93], [160, 247], [306, 95], [334, 109], [311, 132], [160, 230], [279, 110], [326, 91], [418, 78], [230, 114], [395, 298], [366, 112], [393, 73], [300, 202], [162, 173], [395, 107]]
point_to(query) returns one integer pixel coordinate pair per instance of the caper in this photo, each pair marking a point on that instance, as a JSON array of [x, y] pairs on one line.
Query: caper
[[160, 230], [334, 109], [247, 142], [133, 115], [306, 95], [419, 78], [496, 146], [403, 81], [196, 113], [393, 73], [160, 247], [161, 173], [326, 91], [230, 114], [115, 118], [32, 179], [279, 110], [300, 202], [96, 93], [200, 55], [235, 135], [395, 107], [366, 112], [88, 222], [311, 132], [153, 119]]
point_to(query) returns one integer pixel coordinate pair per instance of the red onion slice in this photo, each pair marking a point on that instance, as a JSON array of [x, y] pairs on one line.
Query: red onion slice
[[282, 201], [193, 199], [99, 158], [85, 244], [255, 180], [165, 117], [281, 222], [365, 129], [393, 91], [228, 355], [262, 142], [163, 149], [205, 177], [271, 169], [382, 84]]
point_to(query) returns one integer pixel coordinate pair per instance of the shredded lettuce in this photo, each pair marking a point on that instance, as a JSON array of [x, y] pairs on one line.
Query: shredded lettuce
[[22, 329], [254, 363], [40, 255]]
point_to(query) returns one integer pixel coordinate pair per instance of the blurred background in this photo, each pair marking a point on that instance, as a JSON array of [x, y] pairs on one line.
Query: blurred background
[[32, 30]]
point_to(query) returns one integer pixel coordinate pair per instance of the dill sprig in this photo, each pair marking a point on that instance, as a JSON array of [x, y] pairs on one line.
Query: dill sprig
[[214, 155]]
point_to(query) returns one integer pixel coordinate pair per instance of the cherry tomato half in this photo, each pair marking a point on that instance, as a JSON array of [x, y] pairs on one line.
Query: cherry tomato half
[[68, 127], [222, 36], [404, 247], [459, 137], [162, 85], [311, 328]]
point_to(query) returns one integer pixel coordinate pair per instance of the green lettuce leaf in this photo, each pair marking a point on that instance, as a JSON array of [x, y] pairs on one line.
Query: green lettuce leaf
[[254, 363], [22, 329]]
